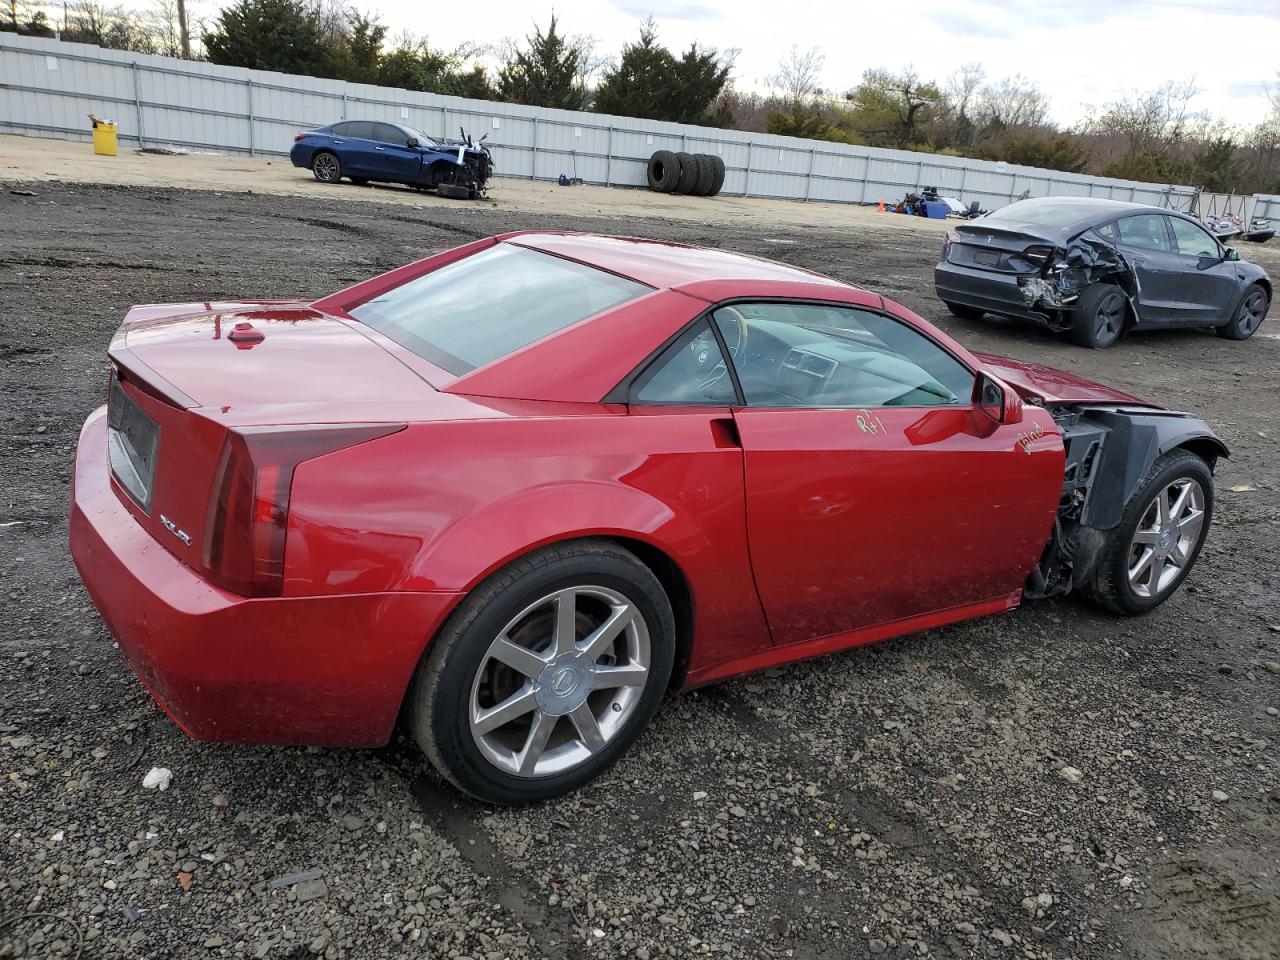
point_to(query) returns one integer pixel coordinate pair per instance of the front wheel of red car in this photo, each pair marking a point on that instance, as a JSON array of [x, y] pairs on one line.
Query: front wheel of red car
[[545, 674], [1159, 537]]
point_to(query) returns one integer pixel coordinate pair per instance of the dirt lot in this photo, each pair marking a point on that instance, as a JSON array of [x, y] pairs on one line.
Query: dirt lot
[[901, 800]]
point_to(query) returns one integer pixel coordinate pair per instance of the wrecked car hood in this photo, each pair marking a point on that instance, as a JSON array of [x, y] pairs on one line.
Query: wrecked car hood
[[1047, 385]]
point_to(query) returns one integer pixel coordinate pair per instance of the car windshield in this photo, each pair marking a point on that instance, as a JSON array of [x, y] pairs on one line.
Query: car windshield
[[481, 308], [419, 135], [1048, 214]]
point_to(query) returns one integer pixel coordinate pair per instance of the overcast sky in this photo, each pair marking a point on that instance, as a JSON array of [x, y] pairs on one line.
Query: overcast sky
[[1080, 52]]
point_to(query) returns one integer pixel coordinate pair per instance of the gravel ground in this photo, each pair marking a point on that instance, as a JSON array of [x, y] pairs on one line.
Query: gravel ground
[[1055, 782]]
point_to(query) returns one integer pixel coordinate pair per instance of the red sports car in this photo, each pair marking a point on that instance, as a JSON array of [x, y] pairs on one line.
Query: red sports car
[[522, 488]]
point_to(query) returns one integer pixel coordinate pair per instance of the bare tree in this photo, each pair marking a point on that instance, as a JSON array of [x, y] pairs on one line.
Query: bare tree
[[963, 87], [799, 75], [1151, 122], [1014, 102]]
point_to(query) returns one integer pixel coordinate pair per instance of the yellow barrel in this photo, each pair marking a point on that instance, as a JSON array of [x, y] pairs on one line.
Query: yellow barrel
[[104, 138]]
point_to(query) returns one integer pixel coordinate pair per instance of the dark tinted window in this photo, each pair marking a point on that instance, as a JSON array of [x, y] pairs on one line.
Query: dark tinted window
[[1108, 232], [388, 133], [362, 129], [340, 129], [812, 355], [1036, 211], [691, 371], [485, 306], [1193, 241], [1144, 232]]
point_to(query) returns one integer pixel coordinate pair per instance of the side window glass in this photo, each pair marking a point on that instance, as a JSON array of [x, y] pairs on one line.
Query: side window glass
[[1108, 232], [1192, 240], [360, 129], [691, 371], [1144, 232], [811, 355], [387, 133], [340, 130]]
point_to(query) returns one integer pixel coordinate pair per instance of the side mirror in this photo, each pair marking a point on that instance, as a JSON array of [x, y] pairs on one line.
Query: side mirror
[[412, 142], [1231, 254], [996, 401]]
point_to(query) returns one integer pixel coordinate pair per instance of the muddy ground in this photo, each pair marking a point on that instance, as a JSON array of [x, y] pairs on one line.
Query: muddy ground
[[900, 800]]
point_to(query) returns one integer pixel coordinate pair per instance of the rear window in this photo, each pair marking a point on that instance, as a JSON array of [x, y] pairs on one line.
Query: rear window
[[1048, 214], [486, 306]]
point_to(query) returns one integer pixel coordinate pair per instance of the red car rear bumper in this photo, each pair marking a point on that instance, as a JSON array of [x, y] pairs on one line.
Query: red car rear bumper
[[319, 670]]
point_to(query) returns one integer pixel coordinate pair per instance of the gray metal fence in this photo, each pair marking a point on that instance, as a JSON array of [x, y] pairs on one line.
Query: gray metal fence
[[48, 87]]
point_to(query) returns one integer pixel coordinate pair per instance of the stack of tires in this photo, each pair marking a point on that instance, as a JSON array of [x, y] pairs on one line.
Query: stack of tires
[[695, 174]]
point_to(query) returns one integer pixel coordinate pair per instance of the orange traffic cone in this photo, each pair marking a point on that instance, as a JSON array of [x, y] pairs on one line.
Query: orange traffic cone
[[880, 208]]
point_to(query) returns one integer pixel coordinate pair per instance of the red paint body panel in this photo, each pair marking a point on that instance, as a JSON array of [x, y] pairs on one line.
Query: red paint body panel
[[798, 532], [861, 518], [1055, 386], [328, 670]]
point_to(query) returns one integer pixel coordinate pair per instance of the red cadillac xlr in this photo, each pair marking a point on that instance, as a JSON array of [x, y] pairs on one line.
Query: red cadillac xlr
[[523, 488]]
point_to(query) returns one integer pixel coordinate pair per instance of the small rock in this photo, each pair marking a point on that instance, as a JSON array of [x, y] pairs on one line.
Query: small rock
[[738, 811], [353, 823], [1071, 775], [216, 940], [220, 800], [1001, 937], [184, 880], [1273, 666], [877, 946], [1219, 797], [311, 890], [1273, 712], [699, 795], [20, 743]]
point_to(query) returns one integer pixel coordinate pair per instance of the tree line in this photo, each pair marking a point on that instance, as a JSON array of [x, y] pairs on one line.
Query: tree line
[[1153, 136]]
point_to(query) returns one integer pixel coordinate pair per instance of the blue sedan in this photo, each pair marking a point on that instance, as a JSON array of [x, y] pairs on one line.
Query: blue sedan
[[368, 150]]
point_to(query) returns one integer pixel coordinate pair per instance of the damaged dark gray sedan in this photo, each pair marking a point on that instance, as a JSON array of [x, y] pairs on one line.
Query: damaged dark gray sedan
[[1098, 268]]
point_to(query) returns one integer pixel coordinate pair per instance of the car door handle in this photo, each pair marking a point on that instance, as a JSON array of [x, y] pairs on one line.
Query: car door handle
[[338, 141], [379, 148]]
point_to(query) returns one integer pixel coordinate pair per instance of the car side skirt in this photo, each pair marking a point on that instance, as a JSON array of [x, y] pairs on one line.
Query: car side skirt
[[849, 639]]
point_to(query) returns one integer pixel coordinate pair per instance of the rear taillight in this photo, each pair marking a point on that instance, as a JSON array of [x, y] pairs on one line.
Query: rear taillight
[[1038, 254], [249, 508], [299, 136]]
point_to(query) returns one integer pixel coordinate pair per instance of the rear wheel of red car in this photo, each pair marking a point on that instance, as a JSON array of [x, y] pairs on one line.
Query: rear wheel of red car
[[1099, 316], [545, 674], [326, 167], [1248, 316], [960, 311], [1159, 537]]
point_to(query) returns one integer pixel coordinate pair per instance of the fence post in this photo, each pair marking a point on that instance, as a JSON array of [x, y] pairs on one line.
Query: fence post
[[964, 175], [608, 158], [746, 180], [344, 105], [137, 102], [248, 85], [533, 167], [1048, 187], [808, 177]]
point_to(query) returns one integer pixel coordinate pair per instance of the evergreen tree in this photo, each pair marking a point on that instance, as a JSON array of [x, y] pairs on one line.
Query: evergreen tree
[[549, 72], [279, 35]]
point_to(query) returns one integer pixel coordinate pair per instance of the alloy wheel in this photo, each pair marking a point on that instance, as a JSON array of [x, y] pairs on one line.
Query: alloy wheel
[[325, 168], [559, 681], [1166, 538], [1109, 318], [1252, 312]]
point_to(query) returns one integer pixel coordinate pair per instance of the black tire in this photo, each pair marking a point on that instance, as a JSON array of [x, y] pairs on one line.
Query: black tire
[[688, 173], [1099, 316], [359, 181], [440, 697], [663, 171], [454, 191], [706, 174], [1110, 584], [717, 183], [962, 312], [1249, 314], [326, 167]]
